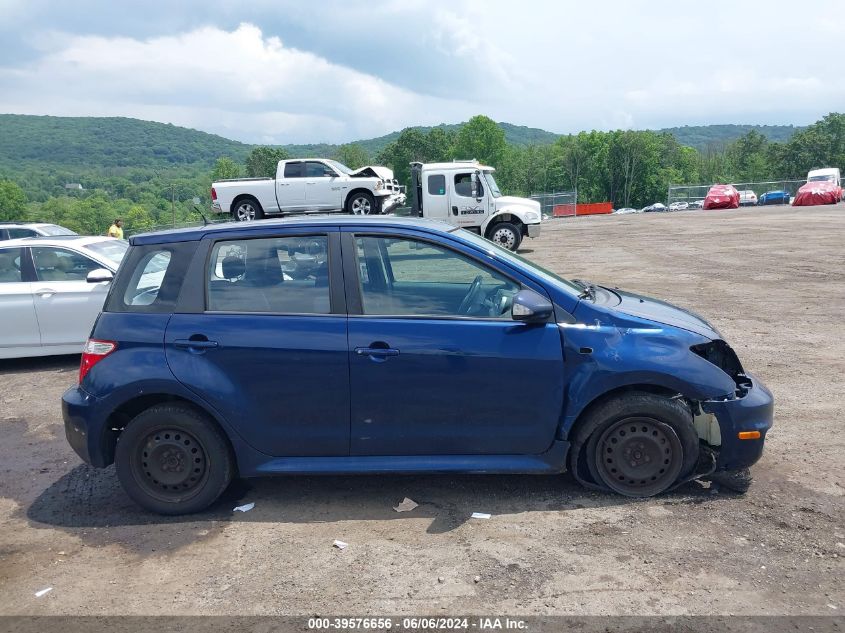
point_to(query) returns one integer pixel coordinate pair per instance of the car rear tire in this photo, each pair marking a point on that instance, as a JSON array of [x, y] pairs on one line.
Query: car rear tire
[[247, 210], [361, 203], [640, 444], [505, 234], [172, 459]]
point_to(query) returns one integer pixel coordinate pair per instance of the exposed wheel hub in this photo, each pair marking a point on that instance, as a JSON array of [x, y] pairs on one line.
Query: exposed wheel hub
[[171, 461], [504, 237], [639, 456]]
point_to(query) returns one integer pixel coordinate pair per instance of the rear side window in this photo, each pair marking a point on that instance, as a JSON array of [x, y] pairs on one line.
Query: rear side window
[[287, 275], [150, 278], [18, 233], [10, 265], [437, 185], [293, 170]]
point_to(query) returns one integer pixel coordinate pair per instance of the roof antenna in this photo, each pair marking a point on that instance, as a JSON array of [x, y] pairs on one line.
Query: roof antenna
[[202, 215]]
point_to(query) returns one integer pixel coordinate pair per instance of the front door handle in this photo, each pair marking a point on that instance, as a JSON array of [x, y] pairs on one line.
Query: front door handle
[[454, 210], [45, 292]]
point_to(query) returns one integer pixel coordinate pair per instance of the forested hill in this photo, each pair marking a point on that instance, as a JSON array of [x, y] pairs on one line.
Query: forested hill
[[702, 136], [114, 142]]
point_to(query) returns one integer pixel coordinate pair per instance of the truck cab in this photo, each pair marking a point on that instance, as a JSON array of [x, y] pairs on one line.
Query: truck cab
[[465, 194]]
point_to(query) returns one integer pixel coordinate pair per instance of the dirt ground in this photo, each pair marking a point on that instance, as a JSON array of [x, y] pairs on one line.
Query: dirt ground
[[773, 280]]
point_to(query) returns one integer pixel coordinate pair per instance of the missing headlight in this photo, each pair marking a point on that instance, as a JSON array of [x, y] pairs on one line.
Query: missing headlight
[[722, 355]]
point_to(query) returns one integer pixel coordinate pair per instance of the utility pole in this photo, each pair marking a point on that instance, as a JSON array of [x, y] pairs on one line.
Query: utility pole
[[173, 203]]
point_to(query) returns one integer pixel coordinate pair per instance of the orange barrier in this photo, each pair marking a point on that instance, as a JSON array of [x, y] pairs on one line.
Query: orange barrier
[[593, 208]]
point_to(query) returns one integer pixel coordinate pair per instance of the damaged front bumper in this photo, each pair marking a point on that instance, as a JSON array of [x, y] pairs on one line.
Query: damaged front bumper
[[390, 202], [750, 412]]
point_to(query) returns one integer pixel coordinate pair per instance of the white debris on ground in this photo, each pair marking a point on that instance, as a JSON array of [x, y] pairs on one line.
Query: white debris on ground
[[244, 508], [43, 592], [406, 505], [340, 544], [480, 515]]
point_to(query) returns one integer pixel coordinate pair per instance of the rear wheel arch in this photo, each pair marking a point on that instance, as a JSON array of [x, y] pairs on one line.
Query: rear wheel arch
[[245, 197], [124, 414]]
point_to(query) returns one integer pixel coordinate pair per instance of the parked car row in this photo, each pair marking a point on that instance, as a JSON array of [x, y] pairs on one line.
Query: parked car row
[[16, 230]]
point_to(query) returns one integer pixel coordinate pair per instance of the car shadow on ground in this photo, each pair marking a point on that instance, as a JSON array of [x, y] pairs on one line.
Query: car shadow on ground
[[88, 499], [66, 362]]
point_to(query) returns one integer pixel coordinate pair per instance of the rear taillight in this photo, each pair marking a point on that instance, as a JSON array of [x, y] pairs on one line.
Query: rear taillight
[[213, 194], [93, 352]]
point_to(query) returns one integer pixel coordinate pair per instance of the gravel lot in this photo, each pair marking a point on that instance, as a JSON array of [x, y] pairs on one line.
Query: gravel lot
[[772, 279]]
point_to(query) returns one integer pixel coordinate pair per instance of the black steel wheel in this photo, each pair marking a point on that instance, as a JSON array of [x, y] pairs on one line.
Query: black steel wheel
[[173, 459], [638, 457]]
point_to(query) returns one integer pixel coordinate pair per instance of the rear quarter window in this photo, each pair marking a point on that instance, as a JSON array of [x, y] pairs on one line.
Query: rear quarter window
[[150, 278]]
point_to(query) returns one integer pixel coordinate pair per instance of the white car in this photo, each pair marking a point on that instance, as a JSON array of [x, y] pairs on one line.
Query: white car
[[747, 198], [679, 206], [15, 230], [626, 211], [51, 291]]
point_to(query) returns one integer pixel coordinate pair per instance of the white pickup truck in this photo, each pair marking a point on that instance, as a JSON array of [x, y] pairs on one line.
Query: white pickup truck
[[309, 185], [465, 194]]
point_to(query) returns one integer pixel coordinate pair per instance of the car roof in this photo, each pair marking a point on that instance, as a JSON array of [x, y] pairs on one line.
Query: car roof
[[26, 224], [336, 220], [55, 240], [461, 164]]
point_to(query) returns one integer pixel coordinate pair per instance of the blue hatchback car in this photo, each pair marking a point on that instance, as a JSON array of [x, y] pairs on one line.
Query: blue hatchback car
[[395, 345]]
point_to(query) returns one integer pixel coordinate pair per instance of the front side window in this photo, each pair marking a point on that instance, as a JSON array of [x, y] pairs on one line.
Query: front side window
[[288, 275], [408, 277], [313, 169], [58, 264], [437, 185], [10, 265], [463, 186], [294, 170]]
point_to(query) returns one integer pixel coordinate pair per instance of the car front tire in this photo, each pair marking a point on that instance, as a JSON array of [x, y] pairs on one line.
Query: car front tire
[[172, 459], [361, 204], [639, 444]]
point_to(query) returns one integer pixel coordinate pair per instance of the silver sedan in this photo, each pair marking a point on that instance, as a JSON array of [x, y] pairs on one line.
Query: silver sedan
[[50, 295]]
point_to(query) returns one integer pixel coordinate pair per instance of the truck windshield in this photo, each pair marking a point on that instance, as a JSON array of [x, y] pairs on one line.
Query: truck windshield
[[520, 262], [491, 184], [826, 177], [343, 169]]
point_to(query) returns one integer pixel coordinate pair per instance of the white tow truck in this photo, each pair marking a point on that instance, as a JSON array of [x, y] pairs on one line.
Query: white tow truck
[[465, 194], [309, 185]]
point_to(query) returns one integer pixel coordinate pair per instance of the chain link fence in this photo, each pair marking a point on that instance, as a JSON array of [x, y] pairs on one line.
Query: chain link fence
[[696, 193], [559, 204]]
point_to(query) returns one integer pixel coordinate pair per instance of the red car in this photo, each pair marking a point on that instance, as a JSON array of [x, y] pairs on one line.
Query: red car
[[818, 192], [722, 197]]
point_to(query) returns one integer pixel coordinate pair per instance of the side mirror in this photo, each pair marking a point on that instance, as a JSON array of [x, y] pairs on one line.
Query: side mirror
[[474, 180], [98, 275], [530, 307]]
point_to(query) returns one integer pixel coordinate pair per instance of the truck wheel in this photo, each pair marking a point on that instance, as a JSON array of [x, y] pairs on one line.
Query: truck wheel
[[640, 444], [247, 210], [361, 203], [171, 459], [505, 234]]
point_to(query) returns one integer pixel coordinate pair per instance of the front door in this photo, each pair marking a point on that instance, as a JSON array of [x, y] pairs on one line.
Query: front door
[[321, 187], [467, 210], [66, 304], [437, 365], [435, 198], [20, 324], [269, 352]]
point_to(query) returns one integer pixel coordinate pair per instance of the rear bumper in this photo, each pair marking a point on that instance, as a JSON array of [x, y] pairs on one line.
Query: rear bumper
[[82, 426], [752, 412], [533, 230]]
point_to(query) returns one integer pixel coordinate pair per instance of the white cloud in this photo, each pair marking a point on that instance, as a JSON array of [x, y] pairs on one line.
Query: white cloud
[[239, 82]]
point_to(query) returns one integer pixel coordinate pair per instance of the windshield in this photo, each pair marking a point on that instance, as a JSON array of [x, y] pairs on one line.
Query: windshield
[[112, 250], [827, 178], [55, 229], [491, 184], [343, 169], [517, 260]]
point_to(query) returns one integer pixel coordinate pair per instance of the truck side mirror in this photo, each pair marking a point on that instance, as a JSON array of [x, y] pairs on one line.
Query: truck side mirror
[[474, 179]]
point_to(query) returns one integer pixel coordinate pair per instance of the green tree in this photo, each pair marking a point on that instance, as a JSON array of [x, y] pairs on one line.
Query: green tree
[[12, 201], [262, 161], [352, 155], [225, 168], [480, 138], [414, 145]]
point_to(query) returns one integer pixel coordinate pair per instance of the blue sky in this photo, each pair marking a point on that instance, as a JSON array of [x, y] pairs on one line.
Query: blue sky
[[297, 72]]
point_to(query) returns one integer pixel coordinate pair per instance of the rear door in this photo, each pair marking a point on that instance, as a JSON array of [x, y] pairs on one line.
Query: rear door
[[437, 365], [290, 191], [20, 324], [268, 348], [66, 304]]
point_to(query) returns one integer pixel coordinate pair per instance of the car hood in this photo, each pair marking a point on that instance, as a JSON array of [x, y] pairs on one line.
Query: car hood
[[373, 171], [665, 313]]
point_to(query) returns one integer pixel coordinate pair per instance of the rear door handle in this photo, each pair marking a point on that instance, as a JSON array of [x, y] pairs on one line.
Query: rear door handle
[[376, 352], [186, 343]]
